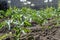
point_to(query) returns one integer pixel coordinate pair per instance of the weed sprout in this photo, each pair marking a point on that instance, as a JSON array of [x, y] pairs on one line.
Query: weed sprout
[[9, 22], [22, 23], [30, 20], [16, 22], [23, 32]]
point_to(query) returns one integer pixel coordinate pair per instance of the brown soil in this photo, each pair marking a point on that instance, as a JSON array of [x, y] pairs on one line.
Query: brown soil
[[43, 34], [38, 33]]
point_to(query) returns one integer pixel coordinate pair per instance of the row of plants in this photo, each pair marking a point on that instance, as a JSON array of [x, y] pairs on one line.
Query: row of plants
[[26, 17]]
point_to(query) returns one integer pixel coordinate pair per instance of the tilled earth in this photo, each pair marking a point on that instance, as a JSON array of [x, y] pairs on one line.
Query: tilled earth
[[39, 33], [43, 34]]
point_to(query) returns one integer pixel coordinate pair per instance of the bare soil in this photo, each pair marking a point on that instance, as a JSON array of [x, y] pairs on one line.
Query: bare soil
[[43, 34]]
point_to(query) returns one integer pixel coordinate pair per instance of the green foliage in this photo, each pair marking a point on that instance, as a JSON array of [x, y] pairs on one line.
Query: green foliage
[[19, 31], [2, 13], [2, 24], [24, 16], [9, 12]]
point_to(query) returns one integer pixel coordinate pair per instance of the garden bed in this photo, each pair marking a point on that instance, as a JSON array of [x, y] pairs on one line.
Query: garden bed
[[29, 24]]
